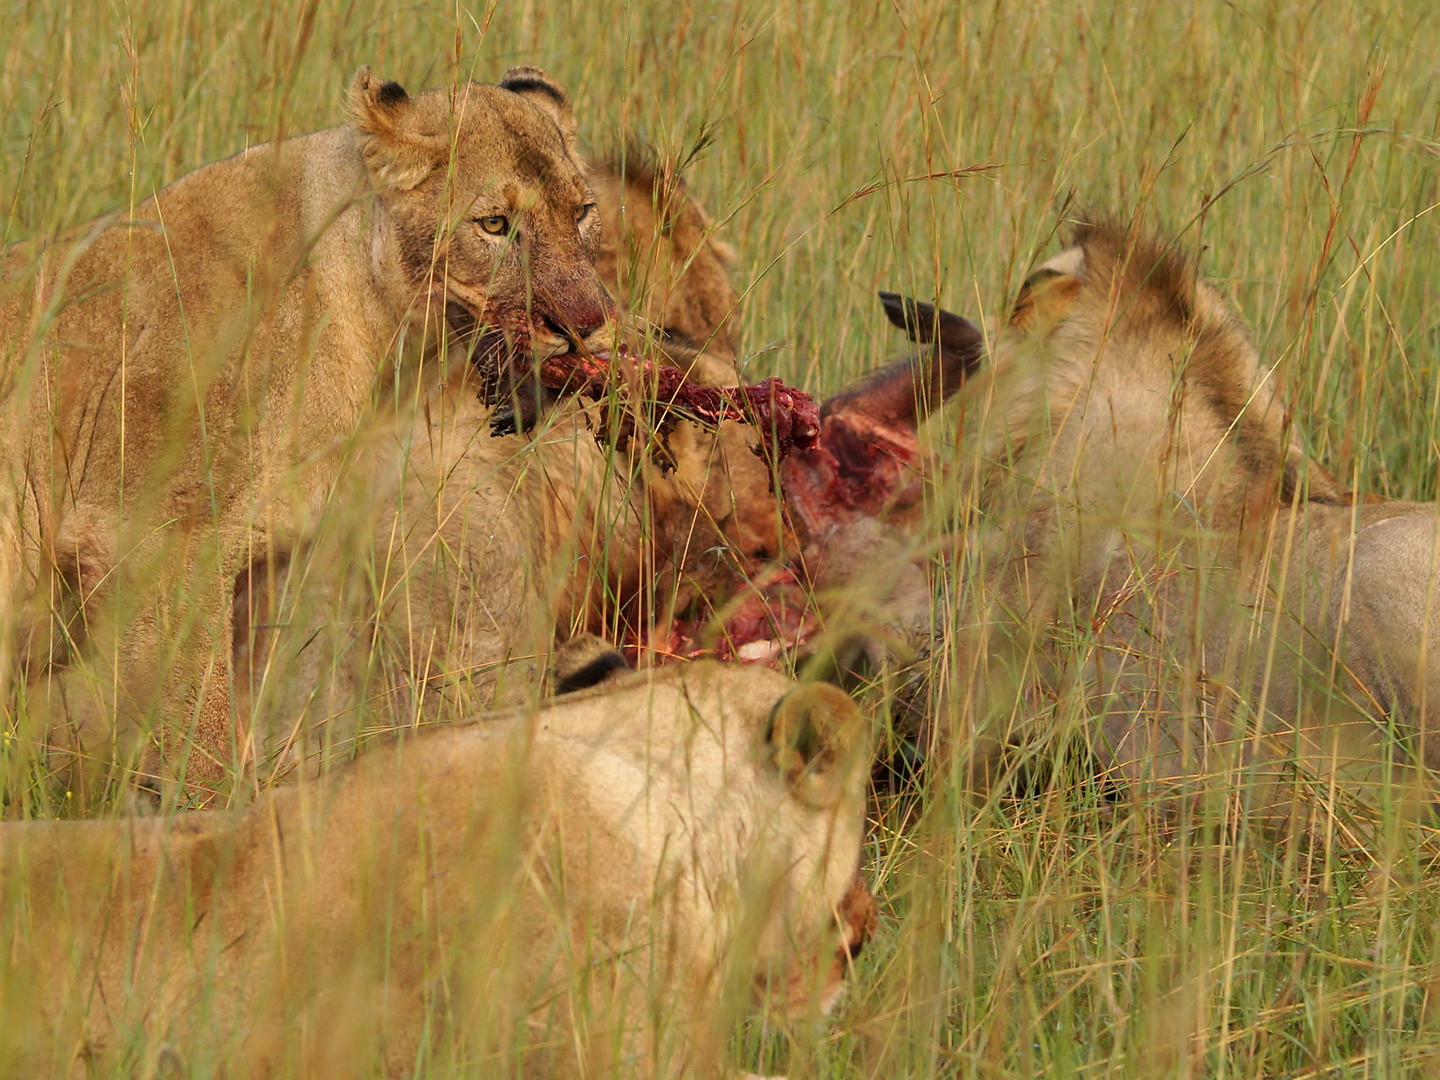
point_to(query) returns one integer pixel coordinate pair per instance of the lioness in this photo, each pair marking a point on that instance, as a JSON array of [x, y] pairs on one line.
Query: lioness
[[595, 884], [1156, 558], [180, 386], [440, 584], [452, 561]]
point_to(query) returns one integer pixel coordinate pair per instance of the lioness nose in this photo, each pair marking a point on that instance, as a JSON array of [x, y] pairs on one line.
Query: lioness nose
[[579, 329]]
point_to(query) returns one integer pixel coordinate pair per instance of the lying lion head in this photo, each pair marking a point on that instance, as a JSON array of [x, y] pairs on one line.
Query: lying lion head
[[496, 228], [775, 772]]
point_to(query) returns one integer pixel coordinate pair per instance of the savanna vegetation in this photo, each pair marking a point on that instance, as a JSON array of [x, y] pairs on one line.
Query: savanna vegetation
[[937, 149]]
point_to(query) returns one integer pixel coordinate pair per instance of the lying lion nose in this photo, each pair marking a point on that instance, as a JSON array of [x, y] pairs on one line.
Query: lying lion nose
[[856, 917]]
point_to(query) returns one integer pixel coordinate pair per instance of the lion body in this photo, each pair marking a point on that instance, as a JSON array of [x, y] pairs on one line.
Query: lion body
[[115, 450], [1156, 543], [560, 887], [443, 580]]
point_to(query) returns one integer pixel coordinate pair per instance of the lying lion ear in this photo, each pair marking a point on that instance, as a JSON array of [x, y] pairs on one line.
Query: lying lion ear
[[726, 252], [382, 112], [538, 88], [585, 661], [814, 736]]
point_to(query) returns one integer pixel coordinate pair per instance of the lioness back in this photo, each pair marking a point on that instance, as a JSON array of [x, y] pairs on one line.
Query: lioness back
[[663, 261]]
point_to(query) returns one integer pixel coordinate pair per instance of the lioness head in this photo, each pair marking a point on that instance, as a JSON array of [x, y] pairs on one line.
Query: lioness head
[[495, 228], [666, 266], [816, 738]]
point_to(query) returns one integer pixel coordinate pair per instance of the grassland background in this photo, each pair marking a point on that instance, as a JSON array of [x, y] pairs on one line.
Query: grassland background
[[1298, 143]]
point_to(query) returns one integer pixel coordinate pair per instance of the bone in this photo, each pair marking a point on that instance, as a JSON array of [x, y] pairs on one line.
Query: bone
[[786, 417]]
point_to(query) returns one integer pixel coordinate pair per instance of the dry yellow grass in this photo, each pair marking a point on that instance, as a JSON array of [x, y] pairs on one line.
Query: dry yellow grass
[[933, 148]]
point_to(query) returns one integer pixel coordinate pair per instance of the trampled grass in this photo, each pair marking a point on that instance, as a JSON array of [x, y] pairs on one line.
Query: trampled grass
[[934, 148]]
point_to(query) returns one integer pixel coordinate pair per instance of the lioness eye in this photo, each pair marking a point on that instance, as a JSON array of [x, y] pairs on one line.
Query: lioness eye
[[583, 212], [495, 224]]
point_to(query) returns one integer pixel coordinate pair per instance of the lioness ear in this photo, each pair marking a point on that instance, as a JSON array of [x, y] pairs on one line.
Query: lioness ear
[[726, 252], [585, 661], [814, 736], [382, 113], [538, 88], [1047, 294]]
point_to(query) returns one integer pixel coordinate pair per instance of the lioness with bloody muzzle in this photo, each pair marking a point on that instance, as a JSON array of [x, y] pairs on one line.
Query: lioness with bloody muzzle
[[181, 387]]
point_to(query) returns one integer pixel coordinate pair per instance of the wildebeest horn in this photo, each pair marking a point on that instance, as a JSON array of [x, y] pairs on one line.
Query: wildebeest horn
[[904, 393], [961, 345]]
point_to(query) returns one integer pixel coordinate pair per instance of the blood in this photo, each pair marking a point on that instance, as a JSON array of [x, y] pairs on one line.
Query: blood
[[773, 609], [858, 467], [836, 467]]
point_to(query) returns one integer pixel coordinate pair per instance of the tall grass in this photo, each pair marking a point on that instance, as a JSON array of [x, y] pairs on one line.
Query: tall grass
[[935, 148]]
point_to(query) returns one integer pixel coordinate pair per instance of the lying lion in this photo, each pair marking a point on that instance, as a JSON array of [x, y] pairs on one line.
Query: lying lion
[[595, 884], [181, 386], [1157, 560]]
